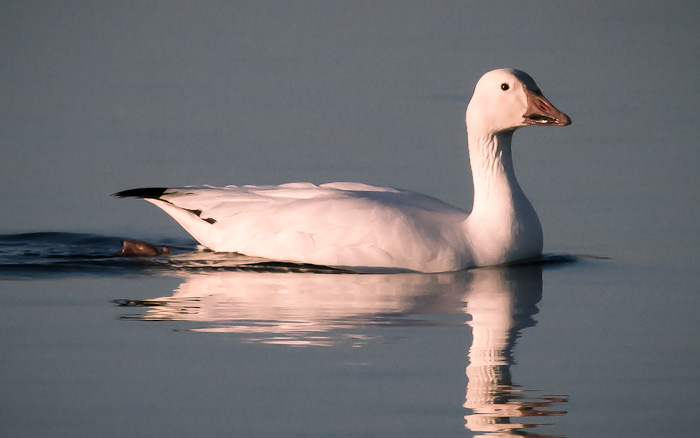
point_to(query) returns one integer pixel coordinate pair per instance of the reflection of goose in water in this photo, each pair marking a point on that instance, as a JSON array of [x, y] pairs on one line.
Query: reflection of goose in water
[[502, 302], [325, 309], [299, 308]]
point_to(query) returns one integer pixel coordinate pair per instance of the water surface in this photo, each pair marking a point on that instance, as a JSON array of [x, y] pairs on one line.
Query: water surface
[[197, 342], [365, 325]]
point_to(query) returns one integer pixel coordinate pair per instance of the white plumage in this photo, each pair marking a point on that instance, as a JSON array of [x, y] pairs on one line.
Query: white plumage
[[365, 227]]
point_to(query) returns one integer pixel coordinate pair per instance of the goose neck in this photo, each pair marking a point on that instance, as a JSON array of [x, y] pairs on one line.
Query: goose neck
[[492, 169]]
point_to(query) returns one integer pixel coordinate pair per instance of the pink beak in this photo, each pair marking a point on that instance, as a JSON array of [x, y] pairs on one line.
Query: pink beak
[[541, 112]]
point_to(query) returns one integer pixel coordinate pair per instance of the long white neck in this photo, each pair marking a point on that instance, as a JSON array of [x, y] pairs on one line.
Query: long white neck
[[492, 170], [503, 226]]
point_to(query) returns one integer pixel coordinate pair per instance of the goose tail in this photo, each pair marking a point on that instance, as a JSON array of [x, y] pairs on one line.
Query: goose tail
[[143, 193], [192, 220]]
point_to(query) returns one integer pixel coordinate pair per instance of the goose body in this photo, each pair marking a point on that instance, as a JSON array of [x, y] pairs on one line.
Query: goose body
[[363, 227]]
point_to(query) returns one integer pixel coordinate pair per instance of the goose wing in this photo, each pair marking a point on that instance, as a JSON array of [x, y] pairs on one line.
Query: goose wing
[[336, 224]]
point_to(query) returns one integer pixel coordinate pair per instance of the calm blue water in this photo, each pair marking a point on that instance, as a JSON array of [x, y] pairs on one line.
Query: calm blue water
[[242, 348], [109, 96], [395, 352]]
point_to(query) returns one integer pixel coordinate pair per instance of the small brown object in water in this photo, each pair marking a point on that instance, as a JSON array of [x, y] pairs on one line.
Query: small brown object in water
[[137, 248]]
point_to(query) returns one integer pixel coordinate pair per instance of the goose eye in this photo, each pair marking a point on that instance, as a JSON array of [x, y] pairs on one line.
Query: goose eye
[[504, 86]]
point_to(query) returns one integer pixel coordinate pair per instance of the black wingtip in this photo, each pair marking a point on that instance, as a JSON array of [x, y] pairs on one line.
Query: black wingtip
[[146, 192]]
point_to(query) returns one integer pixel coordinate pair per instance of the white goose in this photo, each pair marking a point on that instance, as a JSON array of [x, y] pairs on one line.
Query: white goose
[[362, 227]]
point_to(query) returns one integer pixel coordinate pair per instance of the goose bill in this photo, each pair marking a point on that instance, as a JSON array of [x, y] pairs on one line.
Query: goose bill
[[541, 112]]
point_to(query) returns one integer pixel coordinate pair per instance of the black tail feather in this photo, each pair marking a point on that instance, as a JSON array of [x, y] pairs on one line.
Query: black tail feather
[[156, 193], [145, 192]]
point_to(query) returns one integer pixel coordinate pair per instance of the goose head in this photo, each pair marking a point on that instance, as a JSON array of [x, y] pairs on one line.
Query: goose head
[[508, 99]]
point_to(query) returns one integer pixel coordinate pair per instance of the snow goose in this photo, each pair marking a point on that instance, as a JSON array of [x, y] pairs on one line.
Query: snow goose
[[370, 228]]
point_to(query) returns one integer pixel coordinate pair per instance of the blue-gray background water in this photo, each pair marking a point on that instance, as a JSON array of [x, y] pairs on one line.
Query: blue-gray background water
[[98, 97]]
